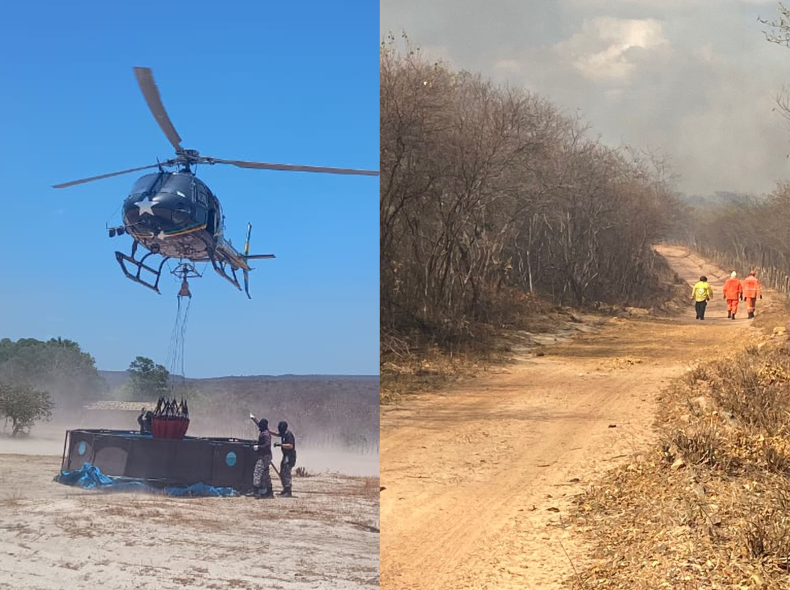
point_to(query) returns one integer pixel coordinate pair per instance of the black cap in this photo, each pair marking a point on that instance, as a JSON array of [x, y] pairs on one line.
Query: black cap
[[282, 426]]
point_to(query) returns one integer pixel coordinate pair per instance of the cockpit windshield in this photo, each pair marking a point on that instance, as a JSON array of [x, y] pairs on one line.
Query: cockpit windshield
[[179, 184], [145, 184]]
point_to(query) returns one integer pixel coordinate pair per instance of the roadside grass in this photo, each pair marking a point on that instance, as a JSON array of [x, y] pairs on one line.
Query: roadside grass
[[709, 505], [426, 369]]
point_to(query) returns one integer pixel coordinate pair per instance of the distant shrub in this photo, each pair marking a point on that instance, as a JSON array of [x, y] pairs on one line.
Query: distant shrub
[[24, 406]]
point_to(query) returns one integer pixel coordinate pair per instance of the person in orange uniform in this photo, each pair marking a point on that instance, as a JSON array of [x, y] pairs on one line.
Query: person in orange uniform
[[733, 291], [751, 291]]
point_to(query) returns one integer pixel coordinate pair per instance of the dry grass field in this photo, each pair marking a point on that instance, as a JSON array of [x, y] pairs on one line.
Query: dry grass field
[[55, 537]]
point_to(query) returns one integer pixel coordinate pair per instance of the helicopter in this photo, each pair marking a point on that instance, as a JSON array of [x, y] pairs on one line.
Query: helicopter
[[173, 214]]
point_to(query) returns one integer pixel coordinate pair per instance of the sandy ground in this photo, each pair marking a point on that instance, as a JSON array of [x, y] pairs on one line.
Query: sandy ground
[[476, 479], [57, 537]]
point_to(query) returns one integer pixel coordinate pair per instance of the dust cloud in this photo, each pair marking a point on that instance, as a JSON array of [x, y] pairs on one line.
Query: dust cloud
[[317, 451]]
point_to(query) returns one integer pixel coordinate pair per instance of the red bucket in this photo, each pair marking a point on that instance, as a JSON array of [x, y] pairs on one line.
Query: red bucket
[[169, 427], [183, 426]]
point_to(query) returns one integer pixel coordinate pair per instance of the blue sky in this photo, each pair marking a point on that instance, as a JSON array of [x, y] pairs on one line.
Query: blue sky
[[294, 83]]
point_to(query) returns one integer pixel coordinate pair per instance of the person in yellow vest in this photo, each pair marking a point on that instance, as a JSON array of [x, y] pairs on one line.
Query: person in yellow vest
[[701, 295], [751, 291]]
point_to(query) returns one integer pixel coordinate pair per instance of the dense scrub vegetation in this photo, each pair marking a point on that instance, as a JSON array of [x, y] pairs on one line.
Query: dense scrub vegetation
[[38, 376], [489, 193], [58, 366], [749, 235]]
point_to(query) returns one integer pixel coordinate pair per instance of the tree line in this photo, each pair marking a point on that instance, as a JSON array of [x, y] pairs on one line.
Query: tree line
[[752, 234], [38, 376], [490, 192]]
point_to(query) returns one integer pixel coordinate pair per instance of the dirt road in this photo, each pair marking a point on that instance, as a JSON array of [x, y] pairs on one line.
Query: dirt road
[[477, 479]]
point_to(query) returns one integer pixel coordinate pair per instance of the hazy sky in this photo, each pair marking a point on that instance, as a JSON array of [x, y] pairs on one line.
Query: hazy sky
[[248, 80], [695, 79]]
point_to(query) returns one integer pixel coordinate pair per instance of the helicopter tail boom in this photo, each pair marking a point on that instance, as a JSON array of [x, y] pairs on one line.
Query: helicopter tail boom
[[258, 256], [229, 256]]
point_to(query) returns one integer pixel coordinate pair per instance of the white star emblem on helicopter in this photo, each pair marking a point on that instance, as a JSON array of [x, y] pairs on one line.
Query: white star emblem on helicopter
[[145, 206]]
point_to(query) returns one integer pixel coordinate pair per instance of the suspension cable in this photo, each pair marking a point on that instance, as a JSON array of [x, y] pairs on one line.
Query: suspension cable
[[176, 364]]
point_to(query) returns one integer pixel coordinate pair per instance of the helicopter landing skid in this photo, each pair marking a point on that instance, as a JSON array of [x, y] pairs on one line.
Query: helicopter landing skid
[[220, 266], [140, 266]]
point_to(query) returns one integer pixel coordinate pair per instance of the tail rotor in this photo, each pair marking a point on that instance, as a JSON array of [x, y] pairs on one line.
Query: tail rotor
[[247, 241], [246, 254]]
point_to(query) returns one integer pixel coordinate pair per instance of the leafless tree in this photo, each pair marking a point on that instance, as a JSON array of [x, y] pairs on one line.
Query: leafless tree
[[488, 189], [750, 235], [779, 33]]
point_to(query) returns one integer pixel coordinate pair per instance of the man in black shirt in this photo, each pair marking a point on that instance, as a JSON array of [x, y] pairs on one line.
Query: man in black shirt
[[145, 420], [261, 480], [288, 445]]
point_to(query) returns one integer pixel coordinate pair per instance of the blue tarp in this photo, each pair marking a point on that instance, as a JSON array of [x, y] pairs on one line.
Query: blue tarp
[[90, 477]]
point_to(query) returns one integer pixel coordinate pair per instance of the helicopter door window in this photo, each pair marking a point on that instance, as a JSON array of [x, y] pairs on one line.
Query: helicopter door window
[[202, 198]]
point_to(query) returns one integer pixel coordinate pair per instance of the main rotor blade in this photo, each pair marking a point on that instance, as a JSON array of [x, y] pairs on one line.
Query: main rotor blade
[[145, 78], [265, 166], [73, 182]]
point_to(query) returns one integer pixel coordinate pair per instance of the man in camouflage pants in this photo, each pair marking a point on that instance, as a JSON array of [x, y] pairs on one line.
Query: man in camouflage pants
[[288, 445], [261, 480]]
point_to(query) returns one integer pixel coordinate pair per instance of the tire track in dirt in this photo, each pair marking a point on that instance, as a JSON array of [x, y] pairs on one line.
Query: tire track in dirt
[[477, 477]]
